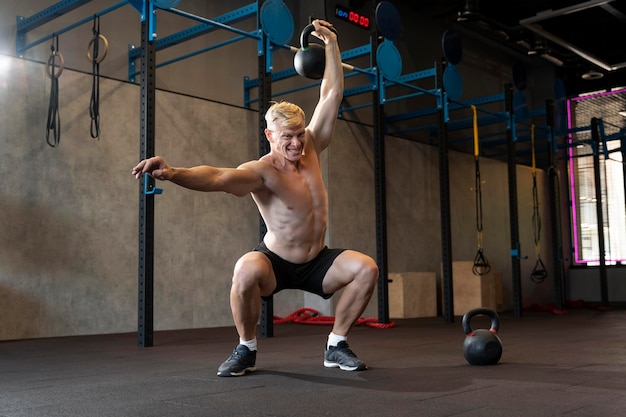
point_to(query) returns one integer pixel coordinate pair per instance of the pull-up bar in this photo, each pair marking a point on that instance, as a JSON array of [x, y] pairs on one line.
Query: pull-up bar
[[24, 25], [253, 35], [132, 75], [199, 30]]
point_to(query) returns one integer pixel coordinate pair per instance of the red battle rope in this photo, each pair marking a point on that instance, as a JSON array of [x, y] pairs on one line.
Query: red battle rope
[[311, 316]]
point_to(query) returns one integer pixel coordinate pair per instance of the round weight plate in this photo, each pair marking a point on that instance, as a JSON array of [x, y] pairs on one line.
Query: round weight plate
[[452, 82], [389, 60], [388, 20], [451, 46], [277, 21], [520, 110]]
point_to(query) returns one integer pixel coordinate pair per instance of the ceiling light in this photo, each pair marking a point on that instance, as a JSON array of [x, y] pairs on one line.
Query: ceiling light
[[622, 113], [592, 75], [553, 59]]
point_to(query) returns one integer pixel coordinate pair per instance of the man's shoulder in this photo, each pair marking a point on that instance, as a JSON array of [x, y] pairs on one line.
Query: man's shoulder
[[264, 168], [257, 165]]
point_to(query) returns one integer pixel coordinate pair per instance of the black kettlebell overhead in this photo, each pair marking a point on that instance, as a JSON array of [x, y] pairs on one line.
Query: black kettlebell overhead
[[310, 60], [482, 346]]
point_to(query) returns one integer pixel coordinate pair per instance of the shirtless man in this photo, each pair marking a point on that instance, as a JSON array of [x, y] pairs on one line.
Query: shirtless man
[[288, 188]]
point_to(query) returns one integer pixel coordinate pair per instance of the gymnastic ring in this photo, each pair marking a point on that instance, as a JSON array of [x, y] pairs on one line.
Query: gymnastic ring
[[49, 65], [106, 49]]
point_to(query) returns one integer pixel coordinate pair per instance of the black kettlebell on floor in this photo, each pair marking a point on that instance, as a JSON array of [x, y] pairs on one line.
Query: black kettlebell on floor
[[482, 346], [310, 60]]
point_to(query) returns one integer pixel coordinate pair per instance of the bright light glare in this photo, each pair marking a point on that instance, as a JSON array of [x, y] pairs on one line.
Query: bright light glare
[[5, 65]]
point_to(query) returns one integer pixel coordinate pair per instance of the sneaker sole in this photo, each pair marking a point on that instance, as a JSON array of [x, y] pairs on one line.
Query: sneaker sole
[[344, 367], [241, 373]]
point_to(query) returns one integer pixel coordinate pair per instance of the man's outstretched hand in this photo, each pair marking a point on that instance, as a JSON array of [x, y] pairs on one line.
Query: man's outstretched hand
[[156, 167]]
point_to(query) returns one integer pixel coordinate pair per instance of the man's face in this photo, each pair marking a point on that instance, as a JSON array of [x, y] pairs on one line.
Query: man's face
[[289, 142]]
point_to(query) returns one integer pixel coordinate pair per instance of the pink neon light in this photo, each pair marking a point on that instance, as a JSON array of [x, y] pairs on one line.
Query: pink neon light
[[577, 250], [571, 181], [596, 95]]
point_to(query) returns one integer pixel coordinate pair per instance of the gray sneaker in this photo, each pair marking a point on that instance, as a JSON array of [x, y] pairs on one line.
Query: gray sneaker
[[241, 361], [342, 357]]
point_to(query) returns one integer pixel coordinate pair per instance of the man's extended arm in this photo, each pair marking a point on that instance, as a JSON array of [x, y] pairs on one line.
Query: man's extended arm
[[238, 181]]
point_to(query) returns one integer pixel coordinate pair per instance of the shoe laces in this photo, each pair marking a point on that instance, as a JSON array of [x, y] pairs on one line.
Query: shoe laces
[[345, 348], [236, 353]]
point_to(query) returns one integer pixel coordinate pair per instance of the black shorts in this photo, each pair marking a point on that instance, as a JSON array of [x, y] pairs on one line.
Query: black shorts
[[307, 276]]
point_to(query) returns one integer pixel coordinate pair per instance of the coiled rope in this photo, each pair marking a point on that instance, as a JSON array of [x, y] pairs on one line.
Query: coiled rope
[[310, 316]]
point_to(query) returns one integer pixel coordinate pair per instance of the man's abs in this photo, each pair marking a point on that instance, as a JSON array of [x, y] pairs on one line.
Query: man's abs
[[297, 252]]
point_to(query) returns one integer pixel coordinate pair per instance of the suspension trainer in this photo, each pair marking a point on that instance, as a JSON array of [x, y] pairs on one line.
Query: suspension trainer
[[481, 264], [539, 272], [53, 124], [93, 55]]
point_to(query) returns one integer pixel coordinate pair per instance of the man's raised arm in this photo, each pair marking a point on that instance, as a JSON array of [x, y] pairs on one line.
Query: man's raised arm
[[324, 117]]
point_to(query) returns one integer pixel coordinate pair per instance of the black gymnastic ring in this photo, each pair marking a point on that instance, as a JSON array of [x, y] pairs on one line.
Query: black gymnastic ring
[[106, 49], [49, 65]]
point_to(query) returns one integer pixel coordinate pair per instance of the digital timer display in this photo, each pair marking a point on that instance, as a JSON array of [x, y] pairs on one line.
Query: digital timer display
[[352, 17]]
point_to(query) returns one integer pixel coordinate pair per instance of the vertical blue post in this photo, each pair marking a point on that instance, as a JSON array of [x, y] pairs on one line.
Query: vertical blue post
[[146, 201], [380, 193], [265, 96], [513, 210]]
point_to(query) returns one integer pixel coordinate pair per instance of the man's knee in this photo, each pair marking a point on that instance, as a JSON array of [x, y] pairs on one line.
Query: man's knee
[[372, 270], [368, 271], [252, 270]]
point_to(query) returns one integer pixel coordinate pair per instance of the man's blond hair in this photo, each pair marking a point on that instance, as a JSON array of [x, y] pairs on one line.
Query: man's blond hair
[[285, 114]]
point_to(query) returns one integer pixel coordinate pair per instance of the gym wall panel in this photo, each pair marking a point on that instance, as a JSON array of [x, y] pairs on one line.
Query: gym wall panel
[[69, 230]]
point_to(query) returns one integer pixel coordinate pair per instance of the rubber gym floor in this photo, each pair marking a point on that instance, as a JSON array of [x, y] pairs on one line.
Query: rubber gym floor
[[552, 365]]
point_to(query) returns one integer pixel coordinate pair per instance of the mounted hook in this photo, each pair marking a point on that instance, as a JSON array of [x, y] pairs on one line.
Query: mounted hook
[[515, 252], [149, 187]]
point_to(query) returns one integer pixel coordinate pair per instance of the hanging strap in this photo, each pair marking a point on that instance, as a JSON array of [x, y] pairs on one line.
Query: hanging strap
[[539, 273], [481, 264], [94, 56], [53, 124]]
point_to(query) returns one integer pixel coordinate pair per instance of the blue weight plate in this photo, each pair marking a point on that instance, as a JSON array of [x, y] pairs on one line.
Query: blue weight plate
[[389, 60], [452, 82], [452, 47], [388, 20], [277, 21]]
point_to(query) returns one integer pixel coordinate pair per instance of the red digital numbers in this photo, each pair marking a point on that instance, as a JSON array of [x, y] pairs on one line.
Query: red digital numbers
[[353, 17]]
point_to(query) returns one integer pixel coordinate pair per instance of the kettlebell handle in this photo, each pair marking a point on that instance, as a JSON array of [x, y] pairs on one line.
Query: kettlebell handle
[[495, 319], [306, 32]]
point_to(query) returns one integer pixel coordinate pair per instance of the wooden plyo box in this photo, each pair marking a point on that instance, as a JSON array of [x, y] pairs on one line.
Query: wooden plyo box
[[412, 294], [473, 291]]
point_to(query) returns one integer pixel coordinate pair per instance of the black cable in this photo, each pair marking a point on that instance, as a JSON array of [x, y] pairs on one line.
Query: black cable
[[539, 272], [53, 124], [94, 104], [481, 264]]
